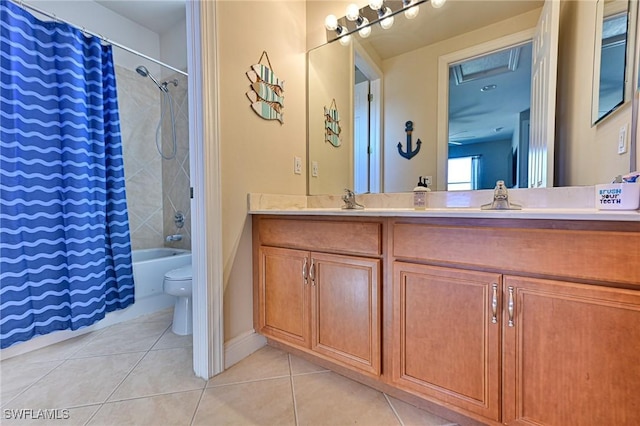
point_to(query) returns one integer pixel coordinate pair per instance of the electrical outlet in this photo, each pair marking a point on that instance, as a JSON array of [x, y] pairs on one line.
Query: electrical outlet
[[622, 140], [297, 165], [314, 168], [427, 179]]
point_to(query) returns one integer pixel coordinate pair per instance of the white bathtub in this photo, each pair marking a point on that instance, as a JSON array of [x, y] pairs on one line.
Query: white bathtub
[[149, 267]]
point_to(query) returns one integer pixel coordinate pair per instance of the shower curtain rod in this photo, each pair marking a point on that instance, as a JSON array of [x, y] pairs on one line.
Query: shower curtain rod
[[101, 37]]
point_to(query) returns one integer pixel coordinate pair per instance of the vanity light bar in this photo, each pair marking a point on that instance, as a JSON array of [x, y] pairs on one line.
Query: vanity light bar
[[378, 11]]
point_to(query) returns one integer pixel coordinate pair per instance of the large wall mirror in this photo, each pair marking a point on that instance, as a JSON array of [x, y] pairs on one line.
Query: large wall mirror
[[613, 73], [465, 76]]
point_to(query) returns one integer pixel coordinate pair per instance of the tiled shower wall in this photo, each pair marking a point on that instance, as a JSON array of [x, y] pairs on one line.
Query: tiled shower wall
[[156, 188], [139, 103], [175, 172]]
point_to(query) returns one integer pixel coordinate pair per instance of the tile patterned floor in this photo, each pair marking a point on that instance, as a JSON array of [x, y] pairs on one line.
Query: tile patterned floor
[[139, 373]]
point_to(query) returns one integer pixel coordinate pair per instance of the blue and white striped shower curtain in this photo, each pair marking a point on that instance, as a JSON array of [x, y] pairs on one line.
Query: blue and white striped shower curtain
[[65, 249]]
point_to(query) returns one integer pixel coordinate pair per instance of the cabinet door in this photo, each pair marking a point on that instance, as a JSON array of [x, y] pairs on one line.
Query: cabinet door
[[346, 310], [446, 336], [283, 295], [572, 354]]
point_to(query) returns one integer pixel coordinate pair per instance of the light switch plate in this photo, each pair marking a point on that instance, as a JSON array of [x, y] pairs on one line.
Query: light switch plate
[[622, 140], [314, 168], [297, 165]]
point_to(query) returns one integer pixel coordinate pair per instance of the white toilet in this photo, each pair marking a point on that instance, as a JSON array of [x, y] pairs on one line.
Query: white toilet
[[177, 282]]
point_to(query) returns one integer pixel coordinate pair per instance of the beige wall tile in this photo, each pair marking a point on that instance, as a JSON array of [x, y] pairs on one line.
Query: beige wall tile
[[175, 172], [139, 105]]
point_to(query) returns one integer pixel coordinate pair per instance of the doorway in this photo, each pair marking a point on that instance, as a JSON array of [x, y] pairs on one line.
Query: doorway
[[367, 158], [489, 98], [544, 58]]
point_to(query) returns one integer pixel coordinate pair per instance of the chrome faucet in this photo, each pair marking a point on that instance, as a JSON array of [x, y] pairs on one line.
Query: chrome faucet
[[501, 199], [349, 199], [174, 237]]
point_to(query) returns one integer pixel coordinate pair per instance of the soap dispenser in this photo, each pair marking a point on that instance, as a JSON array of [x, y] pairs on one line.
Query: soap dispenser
[[420, 195]]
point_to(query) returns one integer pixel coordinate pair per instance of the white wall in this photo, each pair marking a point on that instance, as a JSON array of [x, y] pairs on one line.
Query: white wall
[[173, 50], [100, 20]]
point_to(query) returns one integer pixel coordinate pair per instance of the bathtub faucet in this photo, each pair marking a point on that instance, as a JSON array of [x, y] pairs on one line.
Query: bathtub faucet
[[174, 237]]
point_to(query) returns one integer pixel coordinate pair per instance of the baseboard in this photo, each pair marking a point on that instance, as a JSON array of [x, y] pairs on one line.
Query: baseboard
[[240, 347]]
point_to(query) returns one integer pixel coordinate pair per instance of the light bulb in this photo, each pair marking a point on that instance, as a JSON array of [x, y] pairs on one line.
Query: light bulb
[[353, 12], [344, 40], [343, 37], [376, 4], [387, 22], [331, 22], [437, 3], [412, 11], [365, 29]]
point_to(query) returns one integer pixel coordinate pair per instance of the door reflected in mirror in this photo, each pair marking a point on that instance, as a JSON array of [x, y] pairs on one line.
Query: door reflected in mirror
[[489, 113]]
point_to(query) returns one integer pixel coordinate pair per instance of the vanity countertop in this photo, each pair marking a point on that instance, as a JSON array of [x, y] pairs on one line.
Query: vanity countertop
[[469, 213], [579, 206]]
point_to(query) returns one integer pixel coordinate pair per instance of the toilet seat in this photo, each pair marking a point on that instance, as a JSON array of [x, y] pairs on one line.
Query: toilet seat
[[179, 274]]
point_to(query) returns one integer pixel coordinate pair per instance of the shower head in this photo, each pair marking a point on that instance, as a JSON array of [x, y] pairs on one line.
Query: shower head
[[143, 71]]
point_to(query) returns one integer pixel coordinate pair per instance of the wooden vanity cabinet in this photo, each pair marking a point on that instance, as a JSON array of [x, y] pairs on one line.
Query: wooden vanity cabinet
[[562, 351], [284, 295], [326, 303], [516, 322], [446, 332], [571, 355]]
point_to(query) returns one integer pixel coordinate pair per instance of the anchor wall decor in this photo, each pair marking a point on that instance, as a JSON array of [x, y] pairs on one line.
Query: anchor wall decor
[[408, 127]]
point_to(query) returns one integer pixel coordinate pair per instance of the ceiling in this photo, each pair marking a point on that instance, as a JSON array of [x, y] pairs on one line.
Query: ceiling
[[433, 25], [156, 15]]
